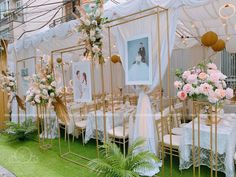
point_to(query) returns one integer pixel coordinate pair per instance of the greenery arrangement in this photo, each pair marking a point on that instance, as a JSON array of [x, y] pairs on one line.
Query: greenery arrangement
[[21, 132], [115, 164]]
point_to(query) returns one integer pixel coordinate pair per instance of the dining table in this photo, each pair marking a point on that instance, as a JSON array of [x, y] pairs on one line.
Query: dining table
[[224, 147]]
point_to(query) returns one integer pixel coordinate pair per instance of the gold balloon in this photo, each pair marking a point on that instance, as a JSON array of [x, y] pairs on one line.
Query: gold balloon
[[209, 38], [59, 60], [115, 59], [219, 45]]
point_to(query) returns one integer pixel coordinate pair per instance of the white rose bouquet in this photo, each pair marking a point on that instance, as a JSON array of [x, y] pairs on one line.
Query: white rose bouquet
[[203, 82], [91, 25], [42, 89]]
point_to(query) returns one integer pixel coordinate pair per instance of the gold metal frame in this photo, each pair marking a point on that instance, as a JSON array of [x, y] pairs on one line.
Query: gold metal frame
[[69, 152], [212, 122], [42, 122], [155, 11]]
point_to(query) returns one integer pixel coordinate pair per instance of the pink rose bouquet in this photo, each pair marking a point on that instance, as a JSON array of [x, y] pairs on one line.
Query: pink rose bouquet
[[203, 82]]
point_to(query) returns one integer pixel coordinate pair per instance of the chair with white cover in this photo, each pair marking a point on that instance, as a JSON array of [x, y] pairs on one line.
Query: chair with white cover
[[179, 113], [79, 117], [120, 134], [167, 140]]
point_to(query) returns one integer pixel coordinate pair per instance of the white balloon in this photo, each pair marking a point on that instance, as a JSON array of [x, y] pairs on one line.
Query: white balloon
[[231, 45]]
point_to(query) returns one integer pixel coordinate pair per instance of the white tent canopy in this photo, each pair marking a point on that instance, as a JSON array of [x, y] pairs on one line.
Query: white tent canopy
[[64, 35]]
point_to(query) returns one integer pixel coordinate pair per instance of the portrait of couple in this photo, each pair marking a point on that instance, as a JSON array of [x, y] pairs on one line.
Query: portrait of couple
[[138, 62], [82, 82]]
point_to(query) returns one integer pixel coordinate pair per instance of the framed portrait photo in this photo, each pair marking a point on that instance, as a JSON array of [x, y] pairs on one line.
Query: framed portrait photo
[[138, 61], [82, 81]]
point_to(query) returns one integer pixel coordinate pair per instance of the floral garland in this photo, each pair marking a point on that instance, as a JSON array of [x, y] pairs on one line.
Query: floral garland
[[90, 29], [42, 89], [203, 82], [8, 82]]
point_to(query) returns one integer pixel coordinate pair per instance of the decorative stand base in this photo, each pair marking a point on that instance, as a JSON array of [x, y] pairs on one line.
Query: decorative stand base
[[212, 121]]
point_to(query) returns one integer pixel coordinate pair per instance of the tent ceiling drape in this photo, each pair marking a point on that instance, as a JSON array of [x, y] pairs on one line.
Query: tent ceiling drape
[[63, 35]]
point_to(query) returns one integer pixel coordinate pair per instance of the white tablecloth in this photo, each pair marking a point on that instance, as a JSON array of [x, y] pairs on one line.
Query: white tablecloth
[[225, 146], [91, 122]]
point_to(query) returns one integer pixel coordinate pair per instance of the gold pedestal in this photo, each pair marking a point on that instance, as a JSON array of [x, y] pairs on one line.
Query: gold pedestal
[[44, 128], [211, 120]]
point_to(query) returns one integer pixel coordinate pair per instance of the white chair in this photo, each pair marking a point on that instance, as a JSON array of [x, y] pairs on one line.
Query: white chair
[[79, 115], [169, 141]]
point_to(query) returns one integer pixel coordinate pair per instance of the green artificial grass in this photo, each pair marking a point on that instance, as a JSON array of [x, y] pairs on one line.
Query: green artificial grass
[[26, 159]]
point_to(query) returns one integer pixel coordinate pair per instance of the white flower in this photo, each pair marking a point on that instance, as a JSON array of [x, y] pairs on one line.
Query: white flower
[[54, 84], [87, 22], [45, 92], [98, 13], [37, 99], [212, 66], [11, 83], [41, 86], [222, 76], [94, 22], [93, 39], [52, 94], [28, 98], [48, 76], [224, 84], [96, 49], [8, 88]]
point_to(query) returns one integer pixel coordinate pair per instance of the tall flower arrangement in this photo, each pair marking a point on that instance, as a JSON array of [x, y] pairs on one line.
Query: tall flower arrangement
[[90, 29], [8, 82], [42, 88], [203, 82]]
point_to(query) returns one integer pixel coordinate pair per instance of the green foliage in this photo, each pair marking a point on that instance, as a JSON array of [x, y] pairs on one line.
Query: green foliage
[[178, 73], [115, 164], [20, 132]]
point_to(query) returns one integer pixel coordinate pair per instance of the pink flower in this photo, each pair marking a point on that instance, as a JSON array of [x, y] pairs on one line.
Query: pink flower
[[187, 88], [220, 93], [182, 95], [214, 77], [186, 74], [205, 88], [203, 76], [229, 93], [212, 66], [219, 85], [212, 98], [178, 84], [192, 78]]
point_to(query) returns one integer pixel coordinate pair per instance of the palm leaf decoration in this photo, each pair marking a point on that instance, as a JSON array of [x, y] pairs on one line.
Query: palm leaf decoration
[[115, 164]]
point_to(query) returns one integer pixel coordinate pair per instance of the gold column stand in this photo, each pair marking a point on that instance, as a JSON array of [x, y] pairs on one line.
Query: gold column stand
[[44, 128]]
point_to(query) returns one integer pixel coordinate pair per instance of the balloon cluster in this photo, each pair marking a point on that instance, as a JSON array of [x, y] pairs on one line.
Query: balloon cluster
[[210, 39]]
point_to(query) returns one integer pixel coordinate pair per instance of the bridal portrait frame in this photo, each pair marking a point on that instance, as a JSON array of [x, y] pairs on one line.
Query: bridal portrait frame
[[138, 70], [82, 81]]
